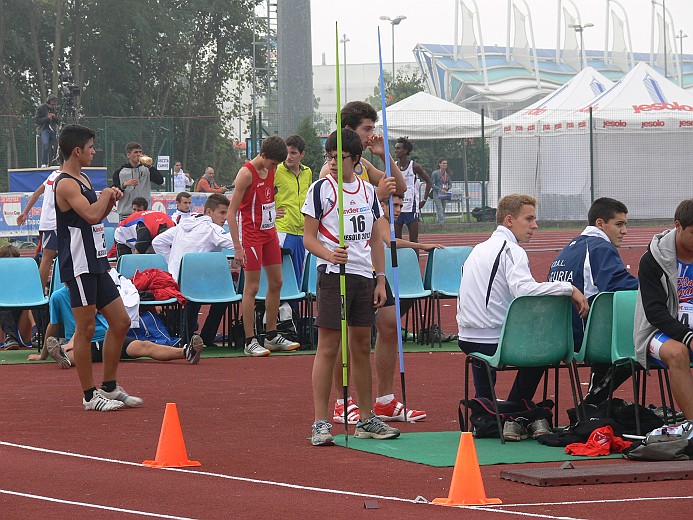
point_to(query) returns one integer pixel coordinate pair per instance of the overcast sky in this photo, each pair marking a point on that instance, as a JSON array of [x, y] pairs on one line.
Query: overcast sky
[[433, 21]]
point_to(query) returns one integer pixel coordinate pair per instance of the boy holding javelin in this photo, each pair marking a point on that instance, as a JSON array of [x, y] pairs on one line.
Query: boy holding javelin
[[363, 250]]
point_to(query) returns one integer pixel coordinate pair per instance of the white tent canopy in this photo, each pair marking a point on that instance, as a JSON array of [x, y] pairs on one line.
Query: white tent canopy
[[640, 145], [424, 116], [550, 112]]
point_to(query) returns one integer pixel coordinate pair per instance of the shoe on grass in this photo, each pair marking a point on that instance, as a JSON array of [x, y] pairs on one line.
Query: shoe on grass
[[254, 349], [374, 428], [514, 431], [280, 343], [539, 427]]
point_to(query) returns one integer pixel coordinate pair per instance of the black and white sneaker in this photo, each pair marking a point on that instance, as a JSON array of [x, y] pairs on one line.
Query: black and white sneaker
[[101, 403], [193, 349]]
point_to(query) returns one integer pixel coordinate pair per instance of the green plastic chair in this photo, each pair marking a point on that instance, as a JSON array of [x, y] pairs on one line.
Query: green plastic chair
[[622, 345], [537, 332], [624, 353]]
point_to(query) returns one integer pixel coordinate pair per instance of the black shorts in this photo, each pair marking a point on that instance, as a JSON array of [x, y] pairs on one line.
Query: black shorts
[[389, 297], [97, 350], [92, 289], [359, 305], [407, 217], [49, 240]]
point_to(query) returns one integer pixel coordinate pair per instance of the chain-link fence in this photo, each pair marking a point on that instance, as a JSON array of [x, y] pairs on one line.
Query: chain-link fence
[[201, 141], [564, 158]]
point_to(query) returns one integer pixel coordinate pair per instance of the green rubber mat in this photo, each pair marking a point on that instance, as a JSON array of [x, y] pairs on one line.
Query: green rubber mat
[[439, 449]]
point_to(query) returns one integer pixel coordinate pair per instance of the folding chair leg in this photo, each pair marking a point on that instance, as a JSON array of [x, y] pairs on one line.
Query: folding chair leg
[[440, 342], [489, 374]]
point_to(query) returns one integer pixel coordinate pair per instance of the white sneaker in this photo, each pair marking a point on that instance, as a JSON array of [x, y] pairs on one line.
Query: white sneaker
[[279, 342], [56, 351], [100, 403], [121, 395], [254, 349]]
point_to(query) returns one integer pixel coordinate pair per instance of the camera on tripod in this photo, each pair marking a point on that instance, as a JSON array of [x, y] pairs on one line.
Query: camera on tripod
[[70, 95]]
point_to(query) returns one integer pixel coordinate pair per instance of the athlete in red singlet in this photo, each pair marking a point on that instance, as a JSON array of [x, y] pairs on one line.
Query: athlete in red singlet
[[253, 197]]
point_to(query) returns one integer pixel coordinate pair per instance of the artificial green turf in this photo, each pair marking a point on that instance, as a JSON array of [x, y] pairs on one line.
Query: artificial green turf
[[15, 357], [439, 449]]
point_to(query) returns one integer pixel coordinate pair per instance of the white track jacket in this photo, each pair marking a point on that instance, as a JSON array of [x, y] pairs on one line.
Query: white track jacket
[[496, 272]]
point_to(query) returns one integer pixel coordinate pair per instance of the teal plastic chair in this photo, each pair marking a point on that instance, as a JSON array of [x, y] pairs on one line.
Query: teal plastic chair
[[290, 290], [109, 235], [21, 286], [596, 342], [55, 282], [442, 277], [128, 264], [622, 346], [206, 278], [537, 332], [309, 285], [624, 353], [411, 286]]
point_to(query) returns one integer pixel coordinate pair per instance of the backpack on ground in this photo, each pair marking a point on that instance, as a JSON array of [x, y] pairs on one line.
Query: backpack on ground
[[665, 443]]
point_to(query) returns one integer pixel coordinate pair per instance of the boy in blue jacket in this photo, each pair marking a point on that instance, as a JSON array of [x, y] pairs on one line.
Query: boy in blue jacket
[[592, 263]]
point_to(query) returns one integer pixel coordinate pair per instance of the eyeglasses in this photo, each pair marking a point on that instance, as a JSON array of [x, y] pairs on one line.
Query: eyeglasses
[[329, 157]]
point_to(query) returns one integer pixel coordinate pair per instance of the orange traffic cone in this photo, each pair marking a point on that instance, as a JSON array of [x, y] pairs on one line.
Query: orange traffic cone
[[467, 488], [171, 452]]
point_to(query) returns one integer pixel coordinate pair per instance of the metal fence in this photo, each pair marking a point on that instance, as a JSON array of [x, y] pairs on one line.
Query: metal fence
[[564, 158]]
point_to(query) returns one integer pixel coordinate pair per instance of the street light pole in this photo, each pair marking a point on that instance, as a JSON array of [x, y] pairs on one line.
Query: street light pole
[[580, 29], [393, 22], [344, 41]]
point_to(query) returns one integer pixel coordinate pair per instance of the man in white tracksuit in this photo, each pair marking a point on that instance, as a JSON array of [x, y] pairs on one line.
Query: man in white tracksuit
[[199, 233], [496, 272]]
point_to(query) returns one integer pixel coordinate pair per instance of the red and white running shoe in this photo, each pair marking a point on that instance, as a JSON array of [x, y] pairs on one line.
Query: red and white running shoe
[[352, 412], [394, 411]]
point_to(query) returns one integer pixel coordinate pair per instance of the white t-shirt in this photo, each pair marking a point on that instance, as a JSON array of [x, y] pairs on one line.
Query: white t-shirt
[[362, 210], [181, 182], [47, 221]]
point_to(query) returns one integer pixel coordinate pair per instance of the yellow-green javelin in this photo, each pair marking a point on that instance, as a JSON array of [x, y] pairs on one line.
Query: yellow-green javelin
[[342, 267]]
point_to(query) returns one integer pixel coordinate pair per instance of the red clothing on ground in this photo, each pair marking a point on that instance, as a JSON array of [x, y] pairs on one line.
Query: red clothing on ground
[[602, 441]]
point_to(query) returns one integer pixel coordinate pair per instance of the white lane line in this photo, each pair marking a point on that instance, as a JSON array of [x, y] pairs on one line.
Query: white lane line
[[92, 506], [494, 508], [209, 474]]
